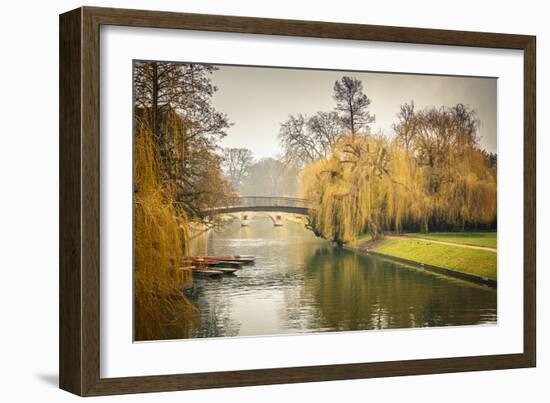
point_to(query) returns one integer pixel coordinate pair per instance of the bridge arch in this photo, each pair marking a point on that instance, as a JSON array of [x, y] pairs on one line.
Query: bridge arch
[[244, 216], [264, 205]]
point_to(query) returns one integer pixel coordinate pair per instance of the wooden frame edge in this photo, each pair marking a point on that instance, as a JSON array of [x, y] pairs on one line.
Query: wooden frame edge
[[530, 201], [79, 201], [70, 280]]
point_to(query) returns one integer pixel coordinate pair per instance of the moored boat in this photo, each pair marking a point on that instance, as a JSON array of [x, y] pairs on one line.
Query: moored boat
[[226, 270], [237, 258], [207, 272]]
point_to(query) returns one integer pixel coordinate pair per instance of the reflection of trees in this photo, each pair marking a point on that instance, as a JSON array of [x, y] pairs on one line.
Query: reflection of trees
[[215, 319], [355, 292], [314, 287], [181, 326]]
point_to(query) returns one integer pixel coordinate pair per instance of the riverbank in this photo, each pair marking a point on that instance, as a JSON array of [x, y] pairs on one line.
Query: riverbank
[[301, 283], [466, 255]]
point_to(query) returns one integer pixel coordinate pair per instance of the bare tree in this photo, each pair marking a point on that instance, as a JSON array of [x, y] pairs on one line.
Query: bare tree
[[437, 130], [298, 144], [325, 128], [185, 88], [438, 138], [352, 104], [236, 164], [173, 102], [406, 125], [306, 139], [466, 125]]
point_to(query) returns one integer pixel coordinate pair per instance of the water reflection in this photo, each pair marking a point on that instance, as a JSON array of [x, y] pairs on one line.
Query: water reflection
[[302, 284]]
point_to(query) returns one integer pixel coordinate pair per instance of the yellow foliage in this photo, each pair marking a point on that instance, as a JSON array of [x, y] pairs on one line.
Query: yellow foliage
[[370, 183], [160, 243]]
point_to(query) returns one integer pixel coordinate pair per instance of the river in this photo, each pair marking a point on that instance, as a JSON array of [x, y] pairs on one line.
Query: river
[[301, 283]]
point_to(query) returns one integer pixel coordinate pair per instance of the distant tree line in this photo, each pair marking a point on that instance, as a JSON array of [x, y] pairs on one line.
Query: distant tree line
[[263, 177]]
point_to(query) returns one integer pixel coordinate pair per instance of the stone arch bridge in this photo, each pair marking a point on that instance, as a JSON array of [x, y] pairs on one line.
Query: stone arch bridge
[[246, 207]]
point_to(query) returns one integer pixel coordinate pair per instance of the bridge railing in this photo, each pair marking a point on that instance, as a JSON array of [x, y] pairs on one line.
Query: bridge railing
[[249, 201], [267, 201]]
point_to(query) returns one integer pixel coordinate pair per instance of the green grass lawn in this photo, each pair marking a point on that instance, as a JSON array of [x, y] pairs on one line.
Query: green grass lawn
[[361, 239], [487, 239], [472, 261]]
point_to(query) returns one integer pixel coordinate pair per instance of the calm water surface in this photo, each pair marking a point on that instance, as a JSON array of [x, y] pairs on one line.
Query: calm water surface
[[301, 283]]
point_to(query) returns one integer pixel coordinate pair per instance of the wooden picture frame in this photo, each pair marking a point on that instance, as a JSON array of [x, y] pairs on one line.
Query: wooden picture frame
[[79, 346]]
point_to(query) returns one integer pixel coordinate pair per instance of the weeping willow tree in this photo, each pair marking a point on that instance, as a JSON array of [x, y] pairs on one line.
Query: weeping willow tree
[[460, 178], [160, 240], [366, 185], [462, 195], [177, 180], [431, 175]]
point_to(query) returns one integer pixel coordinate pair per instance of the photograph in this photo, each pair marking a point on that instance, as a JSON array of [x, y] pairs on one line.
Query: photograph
[[279, 201]]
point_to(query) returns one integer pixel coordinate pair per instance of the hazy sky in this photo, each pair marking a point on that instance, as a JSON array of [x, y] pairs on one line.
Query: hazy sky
[[257, 100]]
